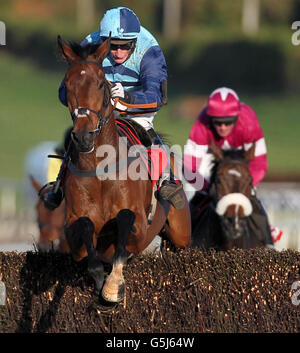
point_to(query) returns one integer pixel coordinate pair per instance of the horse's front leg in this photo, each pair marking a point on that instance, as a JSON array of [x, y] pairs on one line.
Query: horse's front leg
[[114, 287], [81, 234]]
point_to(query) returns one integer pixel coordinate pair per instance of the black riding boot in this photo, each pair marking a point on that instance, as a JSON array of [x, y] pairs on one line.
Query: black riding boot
[[258, 220], [269, 239], [169, 190], [53, 199]]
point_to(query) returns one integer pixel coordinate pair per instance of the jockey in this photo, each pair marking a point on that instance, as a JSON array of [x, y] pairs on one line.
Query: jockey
[[136, 67], [229, 123]]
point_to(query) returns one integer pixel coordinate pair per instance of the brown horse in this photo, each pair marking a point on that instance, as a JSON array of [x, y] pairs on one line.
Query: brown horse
[[223, 218], [51, 224], [106, 218]]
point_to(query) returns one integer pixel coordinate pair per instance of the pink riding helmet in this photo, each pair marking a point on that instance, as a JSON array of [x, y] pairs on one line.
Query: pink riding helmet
[[223, 102]]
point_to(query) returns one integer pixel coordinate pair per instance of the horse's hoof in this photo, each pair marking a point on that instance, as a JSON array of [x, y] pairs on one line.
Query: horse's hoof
[[106, 309], [102, 306], [113, 294]]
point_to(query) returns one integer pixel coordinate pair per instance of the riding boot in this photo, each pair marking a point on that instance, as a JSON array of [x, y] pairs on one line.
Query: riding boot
[[53, 198], [259, 218], [169, 190], [269, 238]]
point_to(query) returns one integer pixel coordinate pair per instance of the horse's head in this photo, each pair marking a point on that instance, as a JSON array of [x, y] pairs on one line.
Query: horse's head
[[232, 184], [87, 91], [50, 223]]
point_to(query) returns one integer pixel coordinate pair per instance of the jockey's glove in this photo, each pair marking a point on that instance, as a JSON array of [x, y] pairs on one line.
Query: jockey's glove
[[117, 91]]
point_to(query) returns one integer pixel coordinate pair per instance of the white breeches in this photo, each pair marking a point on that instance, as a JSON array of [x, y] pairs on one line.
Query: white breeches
[[145, 121]]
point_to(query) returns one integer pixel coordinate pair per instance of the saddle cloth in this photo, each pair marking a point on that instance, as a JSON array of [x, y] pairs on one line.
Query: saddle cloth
[[156, 160]]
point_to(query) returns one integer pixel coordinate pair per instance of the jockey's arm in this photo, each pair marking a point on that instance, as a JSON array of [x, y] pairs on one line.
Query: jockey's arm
[[259, 165], [196, 160], [62, 93], [153, 71]]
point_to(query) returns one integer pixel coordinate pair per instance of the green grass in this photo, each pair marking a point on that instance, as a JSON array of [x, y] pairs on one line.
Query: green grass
[[280, 121], [31, 112]]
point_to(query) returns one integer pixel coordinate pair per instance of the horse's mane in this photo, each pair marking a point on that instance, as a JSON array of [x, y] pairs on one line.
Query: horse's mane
[[234, 153], [83, 51]]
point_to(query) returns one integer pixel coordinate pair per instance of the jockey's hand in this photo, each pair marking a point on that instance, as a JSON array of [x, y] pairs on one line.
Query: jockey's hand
[[117, 91]]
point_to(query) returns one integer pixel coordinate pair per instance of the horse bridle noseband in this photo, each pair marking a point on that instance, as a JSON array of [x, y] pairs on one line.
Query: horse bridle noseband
[[85, 112]]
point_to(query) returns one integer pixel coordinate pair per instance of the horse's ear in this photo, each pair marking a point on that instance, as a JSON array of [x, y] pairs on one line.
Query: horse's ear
[[103, 50], [35, 184], [65, 51], [250, 153], [217, 151]]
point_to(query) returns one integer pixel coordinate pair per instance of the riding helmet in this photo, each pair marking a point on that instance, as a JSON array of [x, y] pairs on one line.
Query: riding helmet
[[223, 102], [121, 22]]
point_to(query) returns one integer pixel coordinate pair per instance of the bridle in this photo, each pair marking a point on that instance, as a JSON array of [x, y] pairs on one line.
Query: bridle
[[213, 189], [81, 112], [227, 223]]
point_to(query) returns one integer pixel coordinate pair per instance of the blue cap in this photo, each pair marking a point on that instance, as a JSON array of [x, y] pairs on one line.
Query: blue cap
[[121, 22]]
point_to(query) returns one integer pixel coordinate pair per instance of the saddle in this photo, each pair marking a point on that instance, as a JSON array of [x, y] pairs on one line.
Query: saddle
[[134, 132], [156, 161]]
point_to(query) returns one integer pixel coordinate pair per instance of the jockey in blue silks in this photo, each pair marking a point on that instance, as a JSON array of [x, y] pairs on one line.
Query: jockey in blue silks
[[137, 69]]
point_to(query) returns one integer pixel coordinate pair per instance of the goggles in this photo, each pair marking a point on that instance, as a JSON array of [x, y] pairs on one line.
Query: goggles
[[219, 123], [228, 120], [126, 46], [116, 44]]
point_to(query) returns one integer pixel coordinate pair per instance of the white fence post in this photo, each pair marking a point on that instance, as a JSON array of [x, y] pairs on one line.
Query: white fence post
[[2, 33]]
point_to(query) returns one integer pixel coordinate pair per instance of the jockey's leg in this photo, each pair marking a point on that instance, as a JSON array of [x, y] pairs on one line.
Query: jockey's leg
[[169, 190], [53, 198], [269, 239], [260, 218]]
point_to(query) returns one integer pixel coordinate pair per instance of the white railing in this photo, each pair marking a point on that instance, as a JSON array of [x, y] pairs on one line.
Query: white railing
[[18, 218], [282, 203], [17, 213]]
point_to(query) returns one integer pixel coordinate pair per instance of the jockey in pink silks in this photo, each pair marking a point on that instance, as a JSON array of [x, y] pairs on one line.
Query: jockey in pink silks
[[229, 123]]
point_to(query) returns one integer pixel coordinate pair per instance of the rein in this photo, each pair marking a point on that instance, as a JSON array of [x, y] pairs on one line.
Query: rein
[[99, 172]]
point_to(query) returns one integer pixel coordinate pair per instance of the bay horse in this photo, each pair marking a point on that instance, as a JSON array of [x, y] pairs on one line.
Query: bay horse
[[221, 219], [50, 224], [106, 218], [38, 170]]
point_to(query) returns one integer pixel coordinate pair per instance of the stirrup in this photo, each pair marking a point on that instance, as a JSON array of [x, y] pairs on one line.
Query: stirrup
[[171, 192]]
